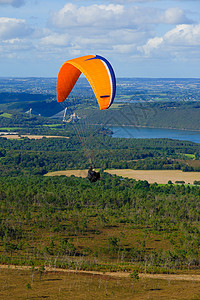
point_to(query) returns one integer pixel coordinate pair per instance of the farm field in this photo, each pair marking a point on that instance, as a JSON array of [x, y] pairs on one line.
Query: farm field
[[36, 137], [77, 173], [31, 284], [159, 176]]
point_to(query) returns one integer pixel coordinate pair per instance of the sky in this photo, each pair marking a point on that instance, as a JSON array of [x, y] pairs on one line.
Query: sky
[[140, 38]]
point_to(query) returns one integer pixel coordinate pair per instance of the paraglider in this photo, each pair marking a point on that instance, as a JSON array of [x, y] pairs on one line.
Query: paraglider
[[98, 72], [93, 176], [101, 77]]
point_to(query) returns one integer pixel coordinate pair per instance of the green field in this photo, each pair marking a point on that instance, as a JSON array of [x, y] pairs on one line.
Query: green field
[[9, 128], [6, 115]]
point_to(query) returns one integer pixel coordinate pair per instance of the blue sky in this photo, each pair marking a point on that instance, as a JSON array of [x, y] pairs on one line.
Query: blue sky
[[141, 38]]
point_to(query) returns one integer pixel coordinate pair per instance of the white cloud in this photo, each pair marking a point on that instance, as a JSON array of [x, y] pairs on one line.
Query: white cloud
[[175, 15], [55, 39], [130, 36], [14, 48], [13, 28], [15, 3], [125, 48], [111, 27], [115, 16], [151, 45], [14, 38], [133, 1], [71, 15], [184, 35], [146, 1], [121, 29], [179, 42]]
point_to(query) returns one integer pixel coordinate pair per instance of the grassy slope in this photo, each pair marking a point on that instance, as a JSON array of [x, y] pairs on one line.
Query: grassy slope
[[78, 286]]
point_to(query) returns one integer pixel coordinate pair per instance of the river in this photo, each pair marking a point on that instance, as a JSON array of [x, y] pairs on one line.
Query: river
[[152, 133]]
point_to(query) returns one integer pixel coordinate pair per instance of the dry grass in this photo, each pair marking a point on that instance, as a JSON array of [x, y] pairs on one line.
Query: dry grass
[[159, 176], [77, 173], [36, 137], [64, 285], [10, 136]]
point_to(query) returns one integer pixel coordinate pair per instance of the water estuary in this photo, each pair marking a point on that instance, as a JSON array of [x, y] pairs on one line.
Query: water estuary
[[152, 133]]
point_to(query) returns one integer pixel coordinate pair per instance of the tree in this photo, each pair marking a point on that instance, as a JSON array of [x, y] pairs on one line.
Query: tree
[[41, 271], [28, 287], [135, 277], [113, 244]]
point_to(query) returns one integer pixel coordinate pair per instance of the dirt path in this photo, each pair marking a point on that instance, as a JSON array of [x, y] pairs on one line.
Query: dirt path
[[180, 277]]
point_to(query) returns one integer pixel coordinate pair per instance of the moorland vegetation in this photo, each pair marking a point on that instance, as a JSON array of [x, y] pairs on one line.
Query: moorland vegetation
[[114, 224]]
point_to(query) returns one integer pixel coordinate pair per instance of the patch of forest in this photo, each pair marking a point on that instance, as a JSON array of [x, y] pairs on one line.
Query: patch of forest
[[29, 156], [114, 224]]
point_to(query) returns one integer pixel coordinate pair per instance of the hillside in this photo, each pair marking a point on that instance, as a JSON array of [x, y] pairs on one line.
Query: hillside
[[114, 225], [165, 103]]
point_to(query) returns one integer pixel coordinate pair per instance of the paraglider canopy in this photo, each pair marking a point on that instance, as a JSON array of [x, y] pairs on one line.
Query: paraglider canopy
[[98, 72]]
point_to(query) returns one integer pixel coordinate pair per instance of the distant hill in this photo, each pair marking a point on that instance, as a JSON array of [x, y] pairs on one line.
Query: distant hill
[[158, 102], [179, 115], [6, 97]]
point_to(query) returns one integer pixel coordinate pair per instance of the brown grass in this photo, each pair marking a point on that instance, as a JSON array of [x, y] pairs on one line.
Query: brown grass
[[36, 137], [77, 173], [66, 285], [159, 176]]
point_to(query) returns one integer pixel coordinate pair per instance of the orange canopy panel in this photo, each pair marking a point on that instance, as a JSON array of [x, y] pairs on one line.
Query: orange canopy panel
[[98, 72]]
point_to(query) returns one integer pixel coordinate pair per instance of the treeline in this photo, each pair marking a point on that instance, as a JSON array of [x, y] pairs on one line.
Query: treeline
[[26, 156]]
